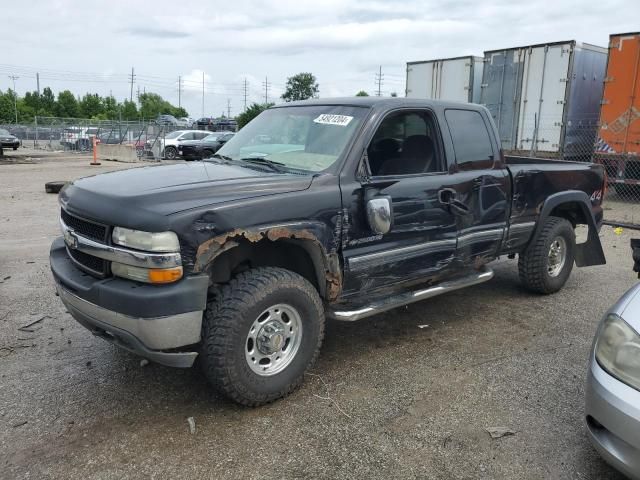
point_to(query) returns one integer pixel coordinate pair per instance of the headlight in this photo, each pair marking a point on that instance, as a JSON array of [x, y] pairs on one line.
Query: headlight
[[150, 242], [618, 350], [147, 275]]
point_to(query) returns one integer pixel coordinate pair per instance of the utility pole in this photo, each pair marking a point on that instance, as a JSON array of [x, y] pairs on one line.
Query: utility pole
[[15, 95], [35, 144], [179, 91], [266, 86], [379, 78], [245, 94], [133, 76], [138, 94], [228, 108], [202, 94]]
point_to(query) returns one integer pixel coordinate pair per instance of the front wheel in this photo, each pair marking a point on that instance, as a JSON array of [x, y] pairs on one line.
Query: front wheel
[[260, 334], [546, 264], [170, 153]]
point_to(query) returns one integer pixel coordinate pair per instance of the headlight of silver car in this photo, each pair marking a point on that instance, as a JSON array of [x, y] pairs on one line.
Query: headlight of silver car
[[151, 242], [618, 350]]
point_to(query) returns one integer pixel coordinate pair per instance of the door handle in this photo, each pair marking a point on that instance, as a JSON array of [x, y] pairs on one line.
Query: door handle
[[447, 197]]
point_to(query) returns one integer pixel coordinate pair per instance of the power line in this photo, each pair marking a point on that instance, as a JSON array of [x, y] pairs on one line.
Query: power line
[[266, 86], [132, 79], [15, 94], [379, 78], [245, 94]]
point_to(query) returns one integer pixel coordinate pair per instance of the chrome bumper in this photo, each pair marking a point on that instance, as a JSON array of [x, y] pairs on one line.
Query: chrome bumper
[[613, 420], [145, 336]]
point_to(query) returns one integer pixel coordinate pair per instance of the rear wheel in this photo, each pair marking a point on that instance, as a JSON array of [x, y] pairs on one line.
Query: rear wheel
[[547, 262], [260, 334]]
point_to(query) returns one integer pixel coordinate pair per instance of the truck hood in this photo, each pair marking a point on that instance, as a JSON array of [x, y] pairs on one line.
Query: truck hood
[[143, 198]]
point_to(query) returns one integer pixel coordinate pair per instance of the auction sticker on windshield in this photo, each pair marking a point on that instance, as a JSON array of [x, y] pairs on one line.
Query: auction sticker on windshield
[[328, 119]]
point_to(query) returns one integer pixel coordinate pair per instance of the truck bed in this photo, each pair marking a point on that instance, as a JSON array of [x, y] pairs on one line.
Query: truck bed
[[534, 180]]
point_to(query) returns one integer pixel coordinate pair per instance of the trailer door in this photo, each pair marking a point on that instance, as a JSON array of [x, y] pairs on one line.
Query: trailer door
[[542, 103]]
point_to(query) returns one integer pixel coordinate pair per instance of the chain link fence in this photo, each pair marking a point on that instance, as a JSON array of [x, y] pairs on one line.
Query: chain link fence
[[579, 141], [76, 135], [548, 138]]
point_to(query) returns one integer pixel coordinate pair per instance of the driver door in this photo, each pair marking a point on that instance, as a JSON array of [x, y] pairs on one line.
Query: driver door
[[407, 168]]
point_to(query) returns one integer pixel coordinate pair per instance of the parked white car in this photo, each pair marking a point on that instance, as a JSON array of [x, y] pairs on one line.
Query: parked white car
[[186, 122], [169, 144]]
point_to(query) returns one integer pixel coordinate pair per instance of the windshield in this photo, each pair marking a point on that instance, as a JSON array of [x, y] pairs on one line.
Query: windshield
[[303, 138], [4, 132], [173, 135]]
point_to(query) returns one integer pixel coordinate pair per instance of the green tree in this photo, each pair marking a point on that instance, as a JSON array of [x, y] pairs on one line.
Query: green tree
[[47, 102], [152, 105], [251, 112], [67, 105], [300, 87], [362, 93], [129, 110], [7, 112], [180, 112], [110, 108], [91, 105]]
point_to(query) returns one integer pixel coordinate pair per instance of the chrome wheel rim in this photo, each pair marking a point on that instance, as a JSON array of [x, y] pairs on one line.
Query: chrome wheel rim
[[273, 340], [557, 256]]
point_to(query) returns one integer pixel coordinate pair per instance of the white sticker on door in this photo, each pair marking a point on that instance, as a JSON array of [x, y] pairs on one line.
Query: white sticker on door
[[328, 119]]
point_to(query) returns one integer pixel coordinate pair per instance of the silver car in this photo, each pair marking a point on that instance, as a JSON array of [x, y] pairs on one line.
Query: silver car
[[613, 386]]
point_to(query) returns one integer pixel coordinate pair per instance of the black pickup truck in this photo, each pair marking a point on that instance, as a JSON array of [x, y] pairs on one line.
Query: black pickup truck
[[338, 208]]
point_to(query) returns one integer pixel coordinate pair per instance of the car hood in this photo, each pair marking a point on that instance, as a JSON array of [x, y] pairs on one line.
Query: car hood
[[628, 307], [143, 198], [8, 138]]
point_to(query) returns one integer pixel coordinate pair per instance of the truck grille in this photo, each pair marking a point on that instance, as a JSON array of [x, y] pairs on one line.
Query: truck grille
[[88, 229], [94, 265], [94, 231]]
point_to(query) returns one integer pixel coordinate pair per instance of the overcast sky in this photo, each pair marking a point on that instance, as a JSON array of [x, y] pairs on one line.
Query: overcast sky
[[91, 46]]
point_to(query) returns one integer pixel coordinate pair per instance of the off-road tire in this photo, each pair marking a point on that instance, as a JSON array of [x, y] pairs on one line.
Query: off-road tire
[[170, 153], [533, 263], [226, 323]]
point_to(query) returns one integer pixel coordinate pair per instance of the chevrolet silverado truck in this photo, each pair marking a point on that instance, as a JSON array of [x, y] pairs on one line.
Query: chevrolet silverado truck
[[338, 208]]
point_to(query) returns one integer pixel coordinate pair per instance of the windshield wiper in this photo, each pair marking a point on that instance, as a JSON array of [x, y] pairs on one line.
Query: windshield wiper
[[222, 157], [275, 166]]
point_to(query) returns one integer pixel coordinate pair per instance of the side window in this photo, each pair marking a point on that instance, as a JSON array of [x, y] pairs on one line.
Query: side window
[[404, 144], [187, 136], [471, 140], [200, 135]]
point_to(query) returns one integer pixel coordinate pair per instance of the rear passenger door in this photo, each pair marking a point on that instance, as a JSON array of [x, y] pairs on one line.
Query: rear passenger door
[[480, 185]]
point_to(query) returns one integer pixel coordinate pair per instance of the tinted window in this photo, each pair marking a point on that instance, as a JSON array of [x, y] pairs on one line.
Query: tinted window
[[471, 140], [404, 144]]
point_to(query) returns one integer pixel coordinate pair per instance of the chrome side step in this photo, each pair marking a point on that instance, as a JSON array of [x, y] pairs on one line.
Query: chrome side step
[[406, 298]]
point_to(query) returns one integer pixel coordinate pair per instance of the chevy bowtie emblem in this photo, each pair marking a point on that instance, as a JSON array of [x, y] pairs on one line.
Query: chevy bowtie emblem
[[70, 239]]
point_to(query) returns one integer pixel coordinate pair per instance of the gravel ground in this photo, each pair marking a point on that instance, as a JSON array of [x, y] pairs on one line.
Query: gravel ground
[[407, 394]]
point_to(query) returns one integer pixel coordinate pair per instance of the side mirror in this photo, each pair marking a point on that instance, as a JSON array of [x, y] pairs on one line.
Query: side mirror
[[379, 214]]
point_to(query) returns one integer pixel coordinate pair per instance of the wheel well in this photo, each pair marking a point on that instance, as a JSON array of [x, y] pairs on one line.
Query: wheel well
[[299, 256], [571, 211]]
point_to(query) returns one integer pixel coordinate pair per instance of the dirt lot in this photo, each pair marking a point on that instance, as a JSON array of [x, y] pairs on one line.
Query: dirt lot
[[407, 394]]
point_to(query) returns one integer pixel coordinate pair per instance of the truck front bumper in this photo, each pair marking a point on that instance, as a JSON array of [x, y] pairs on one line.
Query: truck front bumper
[[161, 323]]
